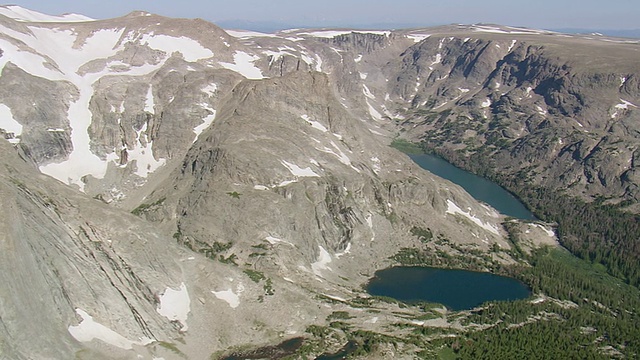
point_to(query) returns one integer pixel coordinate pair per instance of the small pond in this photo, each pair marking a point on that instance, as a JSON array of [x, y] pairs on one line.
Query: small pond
[[456, 289]]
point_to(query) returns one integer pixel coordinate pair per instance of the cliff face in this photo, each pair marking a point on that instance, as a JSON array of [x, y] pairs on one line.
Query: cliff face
[[529, 106]]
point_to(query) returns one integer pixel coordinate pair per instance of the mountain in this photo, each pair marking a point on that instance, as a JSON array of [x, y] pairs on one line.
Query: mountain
[[164, 179]]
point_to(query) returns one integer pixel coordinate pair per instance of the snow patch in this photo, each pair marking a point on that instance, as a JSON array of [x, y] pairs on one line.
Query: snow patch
[[142, 153], [245, 34], [190, 49], [88, 330], [149, 104], [541, 111], [333, 297], [314, 124], [229, 297], [243, 64], [9, 124], [324, 258], [373, 320], [376, 164], [347, 250], [339, 154], [486, 103], [453, 209], [367, 92], [175, 305], [326, 33], [438, 59], [549, 232], [513, 43], [624, 105], [210, 89], [318, 63], [298, 171], [375, 114], [507, 30], [358, 58], [260, 187], [418, 37], [274, 240]]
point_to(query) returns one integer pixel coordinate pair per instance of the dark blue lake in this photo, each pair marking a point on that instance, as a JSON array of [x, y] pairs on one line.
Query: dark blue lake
[[456, 289], [478, 187]]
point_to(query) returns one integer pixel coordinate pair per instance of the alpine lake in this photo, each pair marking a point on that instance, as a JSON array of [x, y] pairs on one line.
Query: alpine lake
[[456, 289]]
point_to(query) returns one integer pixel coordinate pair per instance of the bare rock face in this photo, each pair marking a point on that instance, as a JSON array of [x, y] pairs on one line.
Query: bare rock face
[[527, 105], [286, 164]]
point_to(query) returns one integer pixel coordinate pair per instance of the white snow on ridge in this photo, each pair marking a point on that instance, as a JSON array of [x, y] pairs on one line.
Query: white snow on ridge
[[243, 64], [245, 34], [175, 305], [333, 33], [418, 37], [326, 33], [453, 209], [190, 49], [9, 124], [25, 15], [88, 330], [507, 30], [59, 46]]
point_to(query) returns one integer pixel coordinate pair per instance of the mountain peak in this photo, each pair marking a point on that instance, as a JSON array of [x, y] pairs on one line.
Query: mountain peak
[[138, 13], [25, 15]]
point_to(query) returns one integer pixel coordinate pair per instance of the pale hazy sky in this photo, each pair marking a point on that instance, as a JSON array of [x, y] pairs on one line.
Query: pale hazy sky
[[593, 14]]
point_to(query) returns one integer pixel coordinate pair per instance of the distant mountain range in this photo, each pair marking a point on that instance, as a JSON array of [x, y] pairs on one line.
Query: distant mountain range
[[274, 26]]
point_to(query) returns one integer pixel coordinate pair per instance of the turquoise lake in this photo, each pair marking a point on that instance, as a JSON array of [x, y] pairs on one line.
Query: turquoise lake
[[456, 289], [480, 188]]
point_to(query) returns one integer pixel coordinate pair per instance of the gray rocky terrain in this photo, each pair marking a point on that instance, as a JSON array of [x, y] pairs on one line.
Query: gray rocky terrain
[[174, 190]]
